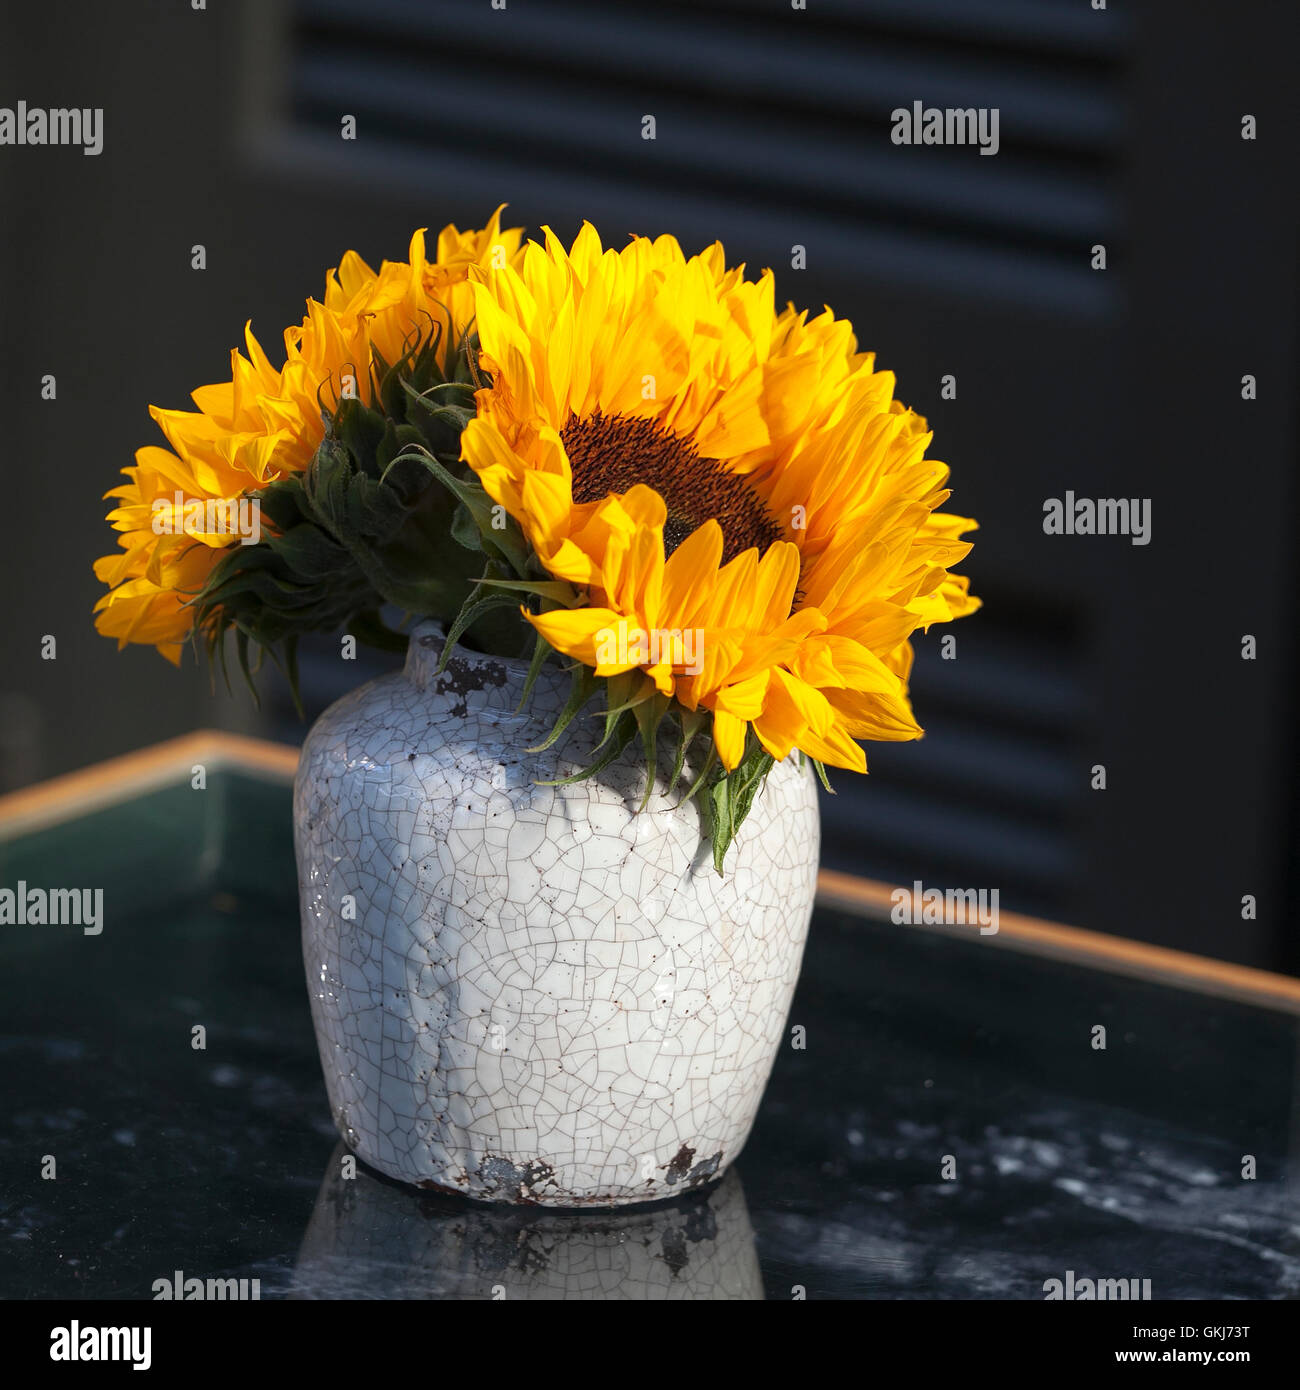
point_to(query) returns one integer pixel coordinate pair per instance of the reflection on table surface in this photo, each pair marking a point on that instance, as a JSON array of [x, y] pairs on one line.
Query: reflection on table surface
[[370, 1237]]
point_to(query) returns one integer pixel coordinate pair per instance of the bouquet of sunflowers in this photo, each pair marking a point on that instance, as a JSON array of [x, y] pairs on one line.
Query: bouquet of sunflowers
[[714, 512]]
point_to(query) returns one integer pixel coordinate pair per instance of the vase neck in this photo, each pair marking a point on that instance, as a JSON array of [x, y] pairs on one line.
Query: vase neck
[[495, 682]]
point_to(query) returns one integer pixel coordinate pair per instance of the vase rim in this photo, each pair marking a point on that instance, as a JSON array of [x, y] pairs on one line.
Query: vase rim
[[422, 651]]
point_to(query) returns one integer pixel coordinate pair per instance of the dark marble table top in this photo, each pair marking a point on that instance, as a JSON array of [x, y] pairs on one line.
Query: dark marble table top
[[949, 1130]]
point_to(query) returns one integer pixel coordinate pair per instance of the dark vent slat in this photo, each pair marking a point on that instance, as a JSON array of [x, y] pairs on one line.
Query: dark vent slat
[[944, 262], [839, 171], [1068, 27], [767, 118], [1007, 681], [891, 826], [853, 77], [976, 765]]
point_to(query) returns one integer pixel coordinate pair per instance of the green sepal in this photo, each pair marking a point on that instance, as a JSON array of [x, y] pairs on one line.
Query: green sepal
[[649, 715], [506, 541], [702, 777], [821, 775], [620, 699], [241, 648], [558, 591], [726, 802], [470, 613], [624, 733], [583, 688], [541, 650], [691, 721]]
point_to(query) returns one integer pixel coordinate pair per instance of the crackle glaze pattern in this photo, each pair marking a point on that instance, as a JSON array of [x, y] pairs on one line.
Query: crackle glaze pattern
[[534, 993]]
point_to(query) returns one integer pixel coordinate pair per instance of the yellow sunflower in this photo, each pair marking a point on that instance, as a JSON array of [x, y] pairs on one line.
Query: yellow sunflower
[[696, 463], [266, 422]]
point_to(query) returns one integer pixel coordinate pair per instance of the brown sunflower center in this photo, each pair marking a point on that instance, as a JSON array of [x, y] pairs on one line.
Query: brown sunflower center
[[612, 453]]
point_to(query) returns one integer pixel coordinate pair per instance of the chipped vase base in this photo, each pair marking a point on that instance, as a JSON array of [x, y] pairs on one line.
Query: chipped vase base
[[533, 993]]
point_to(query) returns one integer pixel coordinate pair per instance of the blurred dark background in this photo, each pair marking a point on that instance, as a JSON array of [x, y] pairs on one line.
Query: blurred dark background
[[1119, 127]]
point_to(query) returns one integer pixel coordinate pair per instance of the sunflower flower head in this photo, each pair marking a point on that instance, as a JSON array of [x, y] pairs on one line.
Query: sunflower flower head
[[266, 423], [745, 517]]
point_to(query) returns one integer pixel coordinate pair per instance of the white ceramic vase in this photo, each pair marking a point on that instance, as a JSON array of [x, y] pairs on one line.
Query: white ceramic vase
[[535, 993]]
